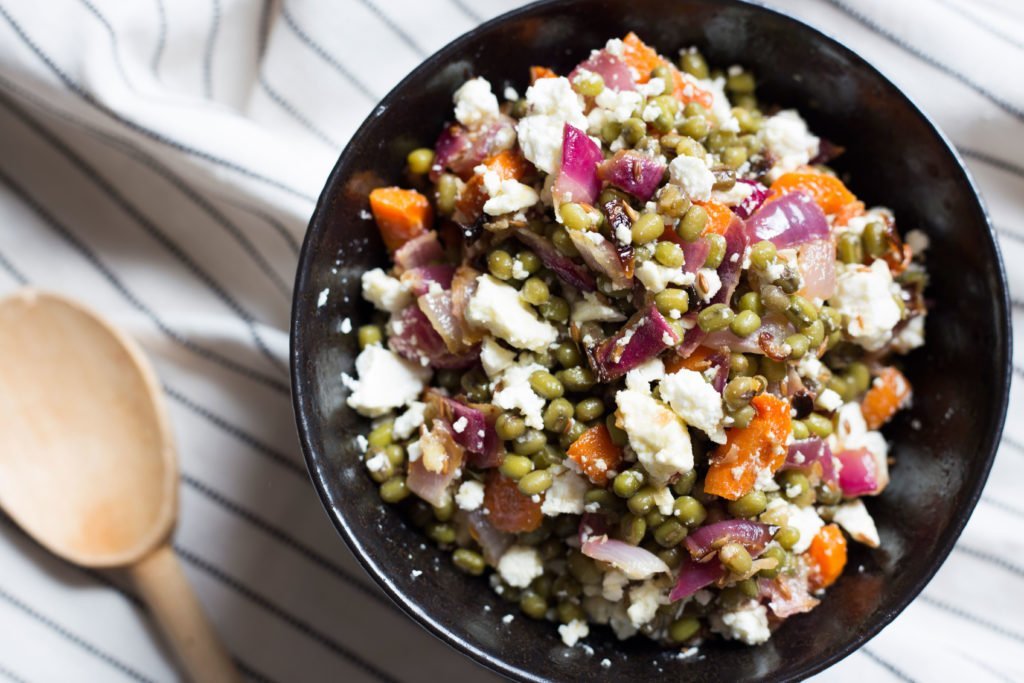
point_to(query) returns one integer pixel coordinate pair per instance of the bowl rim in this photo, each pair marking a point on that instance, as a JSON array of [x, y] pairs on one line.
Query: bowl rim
[[301, 398]]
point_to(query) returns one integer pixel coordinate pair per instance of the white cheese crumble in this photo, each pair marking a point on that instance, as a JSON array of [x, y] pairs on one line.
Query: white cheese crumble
[[644, 601], [475, 103], [495, 357], [378, 462], [612, 585], [692, 176], [615, 47], [385, 292], [788, 139], [515, 393], [498, 308], [708, 283], [656, 434], [386, 381], [805, 520], [748, 624], [470, 495], [551, 103], [321, 300], [829, 401], [409, 421], [510, 93], [591, 309], [664, 501], [734, 196], [864, 297], [565, 495], [696, 401], [911, 336], [656, 277], [506, 195], [652, 88], [720, 107], [918, 241], [415, 450], [573, 632], [853, 516], [460, 425], [876, 214], [520, 565], [852, 433], [641, 377]]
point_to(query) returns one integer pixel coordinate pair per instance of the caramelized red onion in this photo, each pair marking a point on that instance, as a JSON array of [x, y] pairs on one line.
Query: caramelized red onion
[[643, 337]]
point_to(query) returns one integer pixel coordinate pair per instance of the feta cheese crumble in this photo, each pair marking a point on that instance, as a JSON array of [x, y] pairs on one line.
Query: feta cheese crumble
[[386, 381], [386, 293], [749, 624], [409, 421], [475, 103], [591, 309], [470, 495], [565, 495], [551, 103], [854, 517], [506, 195], [495, 357], [520, 565], [658, 436], [573, 632], [696, 401], [864, 297], [786, 136], [656, 277], [692, 176], [498, 308], [515, 393]]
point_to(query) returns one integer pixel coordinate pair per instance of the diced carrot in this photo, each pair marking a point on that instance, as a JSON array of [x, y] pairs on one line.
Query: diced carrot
[[507, 508], [508, 164], [401, 215], [851, 210], [637, 54], [826, 557], [645, 59], [828, 191], [719, 217], [698, 361], [888, 393], [539, 72], [596, 454], [748, 450]]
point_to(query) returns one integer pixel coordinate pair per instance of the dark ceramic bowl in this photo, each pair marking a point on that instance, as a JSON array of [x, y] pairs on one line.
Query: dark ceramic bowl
[[943, 446]]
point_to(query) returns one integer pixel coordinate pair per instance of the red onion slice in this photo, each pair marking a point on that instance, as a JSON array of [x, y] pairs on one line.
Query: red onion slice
[[634, 562], [577, 180], [433, 486], [614, 71], [634, 172], [643, 337], [792, 219], [753, 536], [419, 251], [754, 200], [567, 270], [694, 576], [817, 263], [602, 256], [412, 336], [812, 456], [420, 278], [858, 473]]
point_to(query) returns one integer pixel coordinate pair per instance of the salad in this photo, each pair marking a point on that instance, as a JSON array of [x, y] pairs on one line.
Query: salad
[[634, 349]]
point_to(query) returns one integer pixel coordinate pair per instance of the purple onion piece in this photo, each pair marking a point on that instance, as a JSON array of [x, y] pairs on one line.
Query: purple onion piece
[[412, 336], [433, 486], [634, 172], [643, 337], [460, 149], [567, 270], [695, 253], [602, 255], [812, 456], [420, 278], [694, 576], [753, 536], [577, 180], [792, 219], [731, 268], [614, 71], [592, 524], [754, 200], [419, 251], [633, 561], [494, 543], [859, 473]]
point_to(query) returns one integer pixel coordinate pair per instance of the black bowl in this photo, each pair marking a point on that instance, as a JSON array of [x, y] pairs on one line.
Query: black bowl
[[943, 446]]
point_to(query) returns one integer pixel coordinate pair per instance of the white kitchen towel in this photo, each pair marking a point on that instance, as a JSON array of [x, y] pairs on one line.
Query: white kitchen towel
[[159, 160]]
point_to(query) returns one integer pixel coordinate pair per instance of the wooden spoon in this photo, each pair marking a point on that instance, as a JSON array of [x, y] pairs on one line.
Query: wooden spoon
[[87, 462]]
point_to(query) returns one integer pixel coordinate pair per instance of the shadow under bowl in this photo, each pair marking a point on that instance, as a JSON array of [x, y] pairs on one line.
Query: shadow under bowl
[[943, 446]]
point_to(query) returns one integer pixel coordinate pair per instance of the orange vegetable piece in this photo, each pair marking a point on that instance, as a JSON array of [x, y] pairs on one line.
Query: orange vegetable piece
[[760, 445], [637, 54], [888, 393], [507, 508], [401, 215], [698, 361], [851, 210], [596, 454], [645, 59], [539, 72], [719, 217], [828, 191], [826, 557], [508, 164]]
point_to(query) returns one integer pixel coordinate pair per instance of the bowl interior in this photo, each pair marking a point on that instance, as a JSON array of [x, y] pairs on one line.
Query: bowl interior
[[943, 446]]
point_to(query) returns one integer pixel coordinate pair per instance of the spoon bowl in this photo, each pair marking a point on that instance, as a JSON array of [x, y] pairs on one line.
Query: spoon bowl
[[87, 462]]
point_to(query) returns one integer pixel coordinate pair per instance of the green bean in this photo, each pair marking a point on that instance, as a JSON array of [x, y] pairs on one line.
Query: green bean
[[669, 254], [819, 425], [693, 63], [829, 495], [696, 127], [469, 561], [381, 435], [632, 529], [565, 586], [689, 511], [794, 483], [787, 537], [591, 86], [633, 130], [648, 228], [577, 379], [773, 371], [682, 629], [569, 612], [626, 484], [741, 83], [557, 415], [555, 308], [420, 160], [692, 224], [641, 502], [801, 312], [734, 156], [800, 431], [815, 333], [385, 471], [369, 335], [589, 409], [575, 217], [673, 556], [669, 533], [859, 377], [774, 299], [441, 533], [715, 317], [536, 482], [619, 437], [671, 201], [745, 323], [546, 385], [499, 263], [672, 299], [841, 386], [611, 131], [762, 254], [777, 554], [739, 365], [516, 466], [689, 147], [395, 454], [603, 497], [535, 291], [740, 391], [661, 71], [444, 512], [447, 192], [874, 239], [684, 484], [751, 301], [798, 345], [716, 251], [560, 238], [735, 558], [750, 505], [509, 426], [574, 432], [529, 443], [529, 261], [849, 248], [547, 456], [568, 354], [533, 605], [749, 588]]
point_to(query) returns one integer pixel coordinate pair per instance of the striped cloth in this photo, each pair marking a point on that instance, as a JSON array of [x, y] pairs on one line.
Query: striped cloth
[[159, 161]]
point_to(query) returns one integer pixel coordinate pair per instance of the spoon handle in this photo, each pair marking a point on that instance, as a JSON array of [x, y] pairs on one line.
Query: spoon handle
[[177, 611]]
